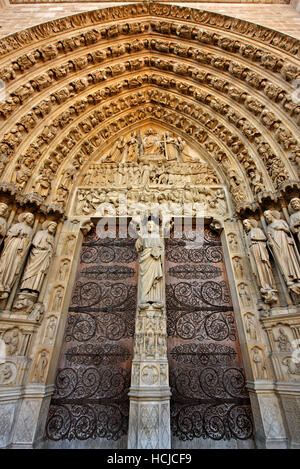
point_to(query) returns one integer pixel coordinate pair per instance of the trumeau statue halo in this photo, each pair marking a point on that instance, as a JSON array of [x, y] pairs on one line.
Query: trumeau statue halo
[[150, 248]]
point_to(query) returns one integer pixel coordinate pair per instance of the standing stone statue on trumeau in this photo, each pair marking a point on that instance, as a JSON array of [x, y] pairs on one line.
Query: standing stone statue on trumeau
[[39, 258], [16, 244], [151, 248], [284, 249], [260, 261]]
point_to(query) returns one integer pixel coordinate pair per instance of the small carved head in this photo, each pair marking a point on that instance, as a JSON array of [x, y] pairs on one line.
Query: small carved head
[[295, 204], [26, 217], [271, 215], [249, 223], [3, 210], [50, 226]]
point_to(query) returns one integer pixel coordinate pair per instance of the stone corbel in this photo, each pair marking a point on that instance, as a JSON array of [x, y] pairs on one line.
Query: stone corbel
[[87, 226], [247, 209], [33, 202], [267, 197], [217, 225]]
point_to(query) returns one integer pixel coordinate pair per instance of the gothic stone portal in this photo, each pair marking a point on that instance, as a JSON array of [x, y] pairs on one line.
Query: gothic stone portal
[[93, 377], [209, 399], [209, 406]]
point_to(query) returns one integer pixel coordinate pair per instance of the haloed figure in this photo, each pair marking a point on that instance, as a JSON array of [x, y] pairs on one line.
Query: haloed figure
[[151, 248], [15, 249], [39, 258]]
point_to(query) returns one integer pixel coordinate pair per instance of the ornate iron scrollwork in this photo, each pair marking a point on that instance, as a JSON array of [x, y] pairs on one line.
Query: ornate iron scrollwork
[[93, 378], [209, 398]]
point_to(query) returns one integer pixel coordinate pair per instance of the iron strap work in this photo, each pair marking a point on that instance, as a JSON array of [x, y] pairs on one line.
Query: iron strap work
[[93, 376], [209, 398]]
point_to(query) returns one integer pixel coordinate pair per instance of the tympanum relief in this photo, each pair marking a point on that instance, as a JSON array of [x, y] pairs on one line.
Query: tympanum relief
[[146, 167]]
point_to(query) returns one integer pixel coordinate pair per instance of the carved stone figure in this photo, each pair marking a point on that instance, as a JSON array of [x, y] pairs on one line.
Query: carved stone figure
[[171, 147], [11, 339], [37, 312], [41, 366], [260, 262], [295, 217], [39, 258], [58, 296], [118, 150], [237, 266], [150, 143], [250, 327], [132, 147], [50, 329], [244, 294], [257, 357], [283, 341], [232, 241], [16, 244], [63, 269], [284, 249], [150, 246], [3, 216]]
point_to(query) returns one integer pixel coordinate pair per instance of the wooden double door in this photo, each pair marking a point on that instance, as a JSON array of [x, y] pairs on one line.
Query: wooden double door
[[209, 399]]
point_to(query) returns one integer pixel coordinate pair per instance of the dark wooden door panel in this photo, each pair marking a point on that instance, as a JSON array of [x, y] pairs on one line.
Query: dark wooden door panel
[[93, 375], [209, 399]]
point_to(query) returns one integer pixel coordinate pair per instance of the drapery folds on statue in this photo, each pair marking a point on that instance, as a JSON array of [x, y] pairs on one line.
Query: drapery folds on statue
[[151, 248]]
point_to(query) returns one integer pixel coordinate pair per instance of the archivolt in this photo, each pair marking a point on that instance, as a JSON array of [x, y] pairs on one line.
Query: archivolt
[[228, 93]]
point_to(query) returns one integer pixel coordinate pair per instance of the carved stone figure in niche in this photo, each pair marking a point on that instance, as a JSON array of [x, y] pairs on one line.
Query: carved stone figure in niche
[[118, 151], [50, 329], [250, 327], [171, 147], [16, 244], [260, 261], [58, 296], [3, 216], [232, 241], [237, 266], [151, 144], [260, 367], [39, 258], [244, 294], [150, 246], [284, 249], [283, 341], [11, 339], [37, 312], [6, 374], [42, 184], [69, 244], [41, 366], [295, 217], [132, 147], [63, 269]]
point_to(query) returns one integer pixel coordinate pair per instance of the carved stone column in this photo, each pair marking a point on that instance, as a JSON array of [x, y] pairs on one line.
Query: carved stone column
[[149, 415]]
